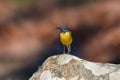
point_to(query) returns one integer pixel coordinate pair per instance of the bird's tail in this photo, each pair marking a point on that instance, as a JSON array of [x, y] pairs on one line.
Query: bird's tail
[[68, 48]]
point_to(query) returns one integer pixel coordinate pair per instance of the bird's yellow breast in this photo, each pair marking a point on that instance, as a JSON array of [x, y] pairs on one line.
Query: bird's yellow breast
[[66, 38]]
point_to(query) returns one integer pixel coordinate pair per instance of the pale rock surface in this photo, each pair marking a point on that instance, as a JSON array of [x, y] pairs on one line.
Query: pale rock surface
[[69, 67]]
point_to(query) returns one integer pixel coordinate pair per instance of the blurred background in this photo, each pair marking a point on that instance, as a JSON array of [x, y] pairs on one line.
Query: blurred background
[[28, 33]]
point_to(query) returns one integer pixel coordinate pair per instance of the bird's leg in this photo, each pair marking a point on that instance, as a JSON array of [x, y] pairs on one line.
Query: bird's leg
[[63, 48], [68, 49]]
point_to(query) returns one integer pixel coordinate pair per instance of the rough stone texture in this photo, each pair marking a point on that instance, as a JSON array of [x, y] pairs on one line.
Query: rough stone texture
[[68, 67]]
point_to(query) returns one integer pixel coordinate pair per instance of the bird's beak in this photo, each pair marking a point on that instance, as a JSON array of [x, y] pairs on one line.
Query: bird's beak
[[58, 28]]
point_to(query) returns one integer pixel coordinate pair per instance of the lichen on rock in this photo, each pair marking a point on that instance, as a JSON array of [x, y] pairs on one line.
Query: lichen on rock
[[69, 67]]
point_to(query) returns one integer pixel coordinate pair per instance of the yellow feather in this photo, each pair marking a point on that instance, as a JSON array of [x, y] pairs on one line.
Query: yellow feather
[[66, 38]]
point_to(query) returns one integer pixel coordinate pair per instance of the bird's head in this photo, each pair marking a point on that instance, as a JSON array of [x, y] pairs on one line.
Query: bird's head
[[63, 29]]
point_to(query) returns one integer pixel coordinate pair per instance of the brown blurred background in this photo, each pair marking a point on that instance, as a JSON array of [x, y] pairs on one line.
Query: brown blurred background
[[28, 33]]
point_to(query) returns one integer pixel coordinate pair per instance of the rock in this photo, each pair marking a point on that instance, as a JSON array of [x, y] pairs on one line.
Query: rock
[[69, 67]]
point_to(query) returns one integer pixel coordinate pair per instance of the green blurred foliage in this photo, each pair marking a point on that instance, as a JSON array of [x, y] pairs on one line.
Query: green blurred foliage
[[41, 2]]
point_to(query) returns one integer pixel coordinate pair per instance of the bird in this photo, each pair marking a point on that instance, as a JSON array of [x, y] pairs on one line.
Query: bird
[[65, 38]]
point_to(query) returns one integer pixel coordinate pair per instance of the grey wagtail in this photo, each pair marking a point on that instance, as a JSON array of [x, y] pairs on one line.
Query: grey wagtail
[[65, 38]]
